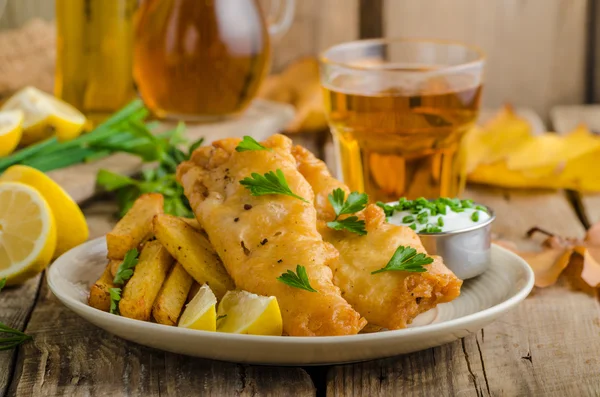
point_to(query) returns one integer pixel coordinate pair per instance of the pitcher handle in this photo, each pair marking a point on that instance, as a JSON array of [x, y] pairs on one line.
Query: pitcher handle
[[284, 16]]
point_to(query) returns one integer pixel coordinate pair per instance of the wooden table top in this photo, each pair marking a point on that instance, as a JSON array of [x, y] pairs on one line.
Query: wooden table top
[[548, 346]]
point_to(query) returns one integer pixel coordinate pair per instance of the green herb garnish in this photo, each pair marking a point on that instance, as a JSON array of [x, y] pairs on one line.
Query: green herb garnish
[[422, 217], [351, 224], [343, 206], [156, 180], [115, 297], [248, 143], [387, 209], [17, 338], [408, 219], [126, 267], [297, 280], [440, 222], [269, 183], [354, 203], [431, 229], [475, 216], [413, 226], [406, 259]]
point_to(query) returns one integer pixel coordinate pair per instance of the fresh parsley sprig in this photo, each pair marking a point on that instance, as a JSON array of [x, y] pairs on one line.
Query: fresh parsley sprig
[[17, 338], [297, 280], [342, 206], [351, 224], [125, 270], [115, 298], [406, 259], [248, 143], [269, 183]]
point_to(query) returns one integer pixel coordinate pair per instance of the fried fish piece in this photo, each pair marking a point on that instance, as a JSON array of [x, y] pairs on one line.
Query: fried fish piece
[[389, 299], [259, 238]]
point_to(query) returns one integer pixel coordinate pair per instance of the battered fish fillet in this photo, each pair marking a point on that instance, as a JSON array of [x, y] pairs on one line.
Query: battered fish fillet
[[261, 237], [389, 299]]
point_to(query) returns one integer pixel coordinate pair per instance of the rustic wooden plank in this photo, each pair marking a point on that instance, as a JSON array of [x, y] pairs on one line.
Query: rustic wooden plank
[[318, 24], [371, 19], [16, 304], [535, 49], [72, 357], [547, 346]]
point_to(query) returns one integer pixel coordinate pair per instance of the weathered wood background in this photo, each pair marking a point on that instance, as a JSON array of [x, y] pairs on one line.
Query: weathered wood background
[[539, 51]]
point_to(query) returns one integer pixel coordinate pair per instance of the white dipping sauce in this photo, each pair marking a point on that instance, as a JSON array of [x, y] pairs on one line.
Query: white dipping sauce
[[452, 220]]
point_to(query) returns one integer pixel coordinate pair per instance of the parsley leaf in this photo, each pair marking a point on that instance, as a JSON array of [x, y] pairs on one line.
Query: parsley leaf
[[354, 203], [351, 224], [406, 259], [248, 143], [115, 297], [269, 183], [126, 267], [297, 280], [2, 283]]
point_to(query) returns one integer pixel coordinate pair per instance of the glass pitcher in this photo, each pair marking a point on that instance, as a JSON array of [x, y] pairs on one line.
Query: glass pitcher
[[199, 60]]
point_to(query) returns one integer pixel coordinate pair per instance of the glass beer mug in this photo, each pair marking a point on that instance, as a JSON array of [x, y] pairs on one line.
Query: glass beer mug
[[199, 60]]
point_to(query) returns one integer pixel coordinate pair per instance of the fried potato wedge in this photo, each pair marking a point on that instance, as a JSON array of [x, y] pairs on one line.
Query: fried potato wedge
[[172, 296], [99, 293], [195, 253], [142, 288], [114, 266], [135, 227]]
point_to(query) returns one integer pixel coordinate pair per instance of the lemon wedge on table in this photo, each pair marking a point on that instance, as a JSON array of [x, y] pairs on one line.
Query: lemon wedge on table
[[10, 131], [45, 115], [71, 227], [27, 232], [201, 312], [241, 312]]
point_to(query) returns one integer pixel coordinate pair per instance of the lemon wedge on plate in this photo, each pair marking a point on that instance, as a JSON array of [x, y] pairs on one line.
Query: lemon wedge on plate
[[71, 228], [201, 312], [44, 116], [27, 232], [10, 131], [241, 312]]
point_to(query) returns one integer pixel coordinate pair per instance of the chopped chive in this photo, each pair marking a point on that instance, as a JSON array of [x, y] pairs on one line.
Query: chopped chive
[[408, 219], [440, 222], [467, 203], [422, 217], [481, 208], [475, 216]]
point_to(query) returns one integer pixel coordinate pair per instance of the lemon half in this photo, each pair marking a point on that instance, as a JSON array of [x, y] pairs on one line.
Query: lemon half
[[27, 232], [44, 116], [247, 313], [71, 227], [201, 312], [10, 131]]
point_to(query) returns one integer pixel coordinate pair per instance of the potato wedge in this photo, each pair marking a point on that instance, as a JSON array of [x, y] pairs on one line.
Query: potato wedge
[[99, 293], [194, 252], [193, 222], [193, 291], [114, 266], [171, 298], [148, 277], [135, 227]]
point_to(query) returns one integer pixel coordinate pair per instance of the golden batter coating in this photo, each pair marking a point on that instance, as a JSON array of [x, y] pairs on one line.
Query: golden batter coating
[[389, 299], [260, 237]]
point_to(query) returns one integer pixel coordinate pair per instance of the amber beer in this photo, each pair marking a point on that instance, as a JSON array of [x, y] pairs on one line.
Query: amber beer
[[397, 128], [392, 145]]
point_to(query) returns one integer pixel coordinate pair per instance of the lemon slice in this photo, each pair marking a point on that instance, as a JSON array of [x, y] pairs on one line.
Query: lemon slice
[[27, 232], [71, 228], [201, 312], [247, 313], [10, 131], [44, 115]]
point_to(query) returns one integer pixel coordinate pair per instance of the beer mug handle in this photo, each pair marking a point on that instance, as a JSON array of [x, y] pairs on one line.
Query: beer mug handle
[[283, 12]]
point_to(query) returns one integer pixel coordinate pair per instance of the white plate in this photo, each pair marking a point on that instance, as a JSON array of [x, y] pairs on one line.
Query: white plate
[[483, 299]]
